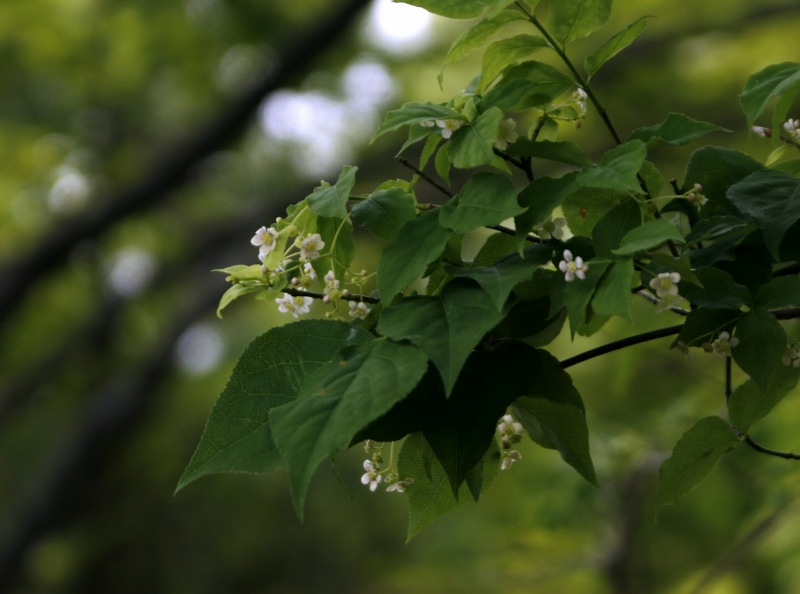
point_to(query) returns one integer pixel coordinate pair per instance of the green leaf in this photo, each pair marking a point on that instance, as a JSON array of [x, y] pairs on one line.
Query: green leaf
[[575, 19], [343, 397], [236, 291], [612, 297], [762, 342], [418, 243], [499, 280], [414, 113], [238, 437], [704, 323], [564, 151], [716, 169], [453, 9], [749, 404], [385, 212], [618, 168], [339, 248], [331, 201], [486, 199], [694, 457], [447, 327], [584, 208], [773, 81], [647, 236], [771, 199], [461, 429], [579, 292], [430, 495], [677, 130], [780, 292], [718, 290], [540, 198], [476, 36], [609, 231], [442, 164], [508, 51], [543, 82], [618, 42], [714, 227], [496, 247], [473, 145]]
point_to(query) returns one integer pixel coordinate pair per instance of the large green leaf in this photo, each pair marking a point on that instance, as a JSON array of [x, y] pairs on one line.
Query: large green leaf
[[584, 208], [762, 342], [773, 81], [542, 82], [609, 231], [414, 113], [331, 201], [716, 169], [694, 457], [577, 18], [385, 212], [771, 199], [647, 236], [340, 249], [612, 297], [447, 327], [238, 437], [618, 42], [749, 404], [718, 290], [499, 280], [579, 292], [677, 129], [508, 51], [337, 401], [430, 495], [486, 199], [540, 198], [473, 145], [617, 169], [461, 429], [418, 243], [564, 151], [783, 291], [704, 323]]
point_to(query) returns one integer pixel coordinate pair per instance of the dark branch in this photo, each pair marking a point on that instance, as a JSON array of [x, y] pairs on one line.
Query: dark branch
[[621, 344]]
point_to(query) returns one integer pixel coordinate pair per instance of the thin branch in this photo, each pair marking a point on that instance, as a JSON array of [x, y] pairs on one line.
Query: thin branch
[[770, 452], [406, 163], [621, 344], [351, 297]]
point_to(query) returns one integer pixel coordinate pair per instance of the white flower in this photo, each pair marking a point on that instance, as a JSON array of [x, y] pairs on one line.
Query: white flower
[[266, 239], [399, 486], [791, 357], [666, 284], [509, 458], [507, 134], [792, 128], [294, 305], [358, 309], [724, 343], [580, 98], [572, 267], [449, 126], [551, 227], [310, 247], [427, 124], [510, 432], [371, 477], [762, 131]]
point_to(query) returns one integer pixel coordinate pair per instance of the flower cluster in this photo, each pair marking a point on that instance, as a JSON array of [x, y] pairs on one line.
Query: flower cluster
[[447, 126], [792, 128], [572, 267], [374, 474], [507, 134], [510, 433], [696, 196], [551, 227], [791, 357], [722, 345], [294, 305]]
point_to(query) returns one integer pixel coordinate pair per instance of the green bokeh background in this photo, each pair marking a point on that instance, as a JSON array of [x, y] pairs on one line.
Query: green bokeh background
[[102, 92]]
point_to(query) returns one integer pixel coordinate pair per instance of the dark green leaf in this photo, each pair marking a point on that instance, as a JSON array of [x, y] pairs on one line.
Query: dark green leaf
[[779, 292], [694, 457], [577, 18], [749, 404], [473, 145], [331, 201], [544, 83], [618, 42], [343, 397], [540, 197], [617, 170], [487, 199], [237, 437], [762, 342], [385, 212], [609, 231], [647, 236], [772, 81], [497, 247], [612, 297], [716, 169], [562, 152], [677, 129], [704, 323], [714, 227], [418, 243], [718, 290], [446, 327], [579, 292]]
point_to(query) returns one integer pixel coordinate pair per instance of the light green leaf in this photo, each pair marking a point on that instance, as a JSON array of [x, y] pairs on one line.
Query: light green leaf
[[385, 212], [499, 280], [694, 457], [771, 199], [414, 113], [236, 291], [238, 437], [543, 82], [749, 404], [339, 248], [783, 291], [418, 243], [453, 9], [343, 397], [618, 42], [473, 145], [618, 169], [773, 81], [676, 130], [584, 208], [447, 327], [508, 51], [647, 236], [612, 297], [430, 495], [762, 342], [487, 199], [331, 201], [575, 19]]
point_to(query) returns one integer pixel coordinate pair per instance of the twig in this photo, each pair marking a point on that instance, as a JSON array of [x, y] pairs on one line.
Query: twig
[[406, 163], [621, 344]]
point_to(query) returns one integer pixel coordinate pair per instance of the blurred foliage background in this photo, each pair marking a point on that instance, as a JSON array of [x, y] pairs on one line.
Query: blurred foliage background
[[142, 142]]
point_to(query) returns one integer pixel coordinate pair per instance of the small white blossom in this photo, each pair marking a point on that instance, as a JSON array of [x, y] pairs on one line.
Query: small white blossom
[[294, 305], [666, 284], [551, 227], [427, 124], [507, 134], [449, 126], [266, 239], [792, 128], [371, 477], [310, 247], [724, 343], [572, 267], [358, 309], [683, 349], [791, 357], [509, 458], [762, 131], [580, 98], [400, 486]]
